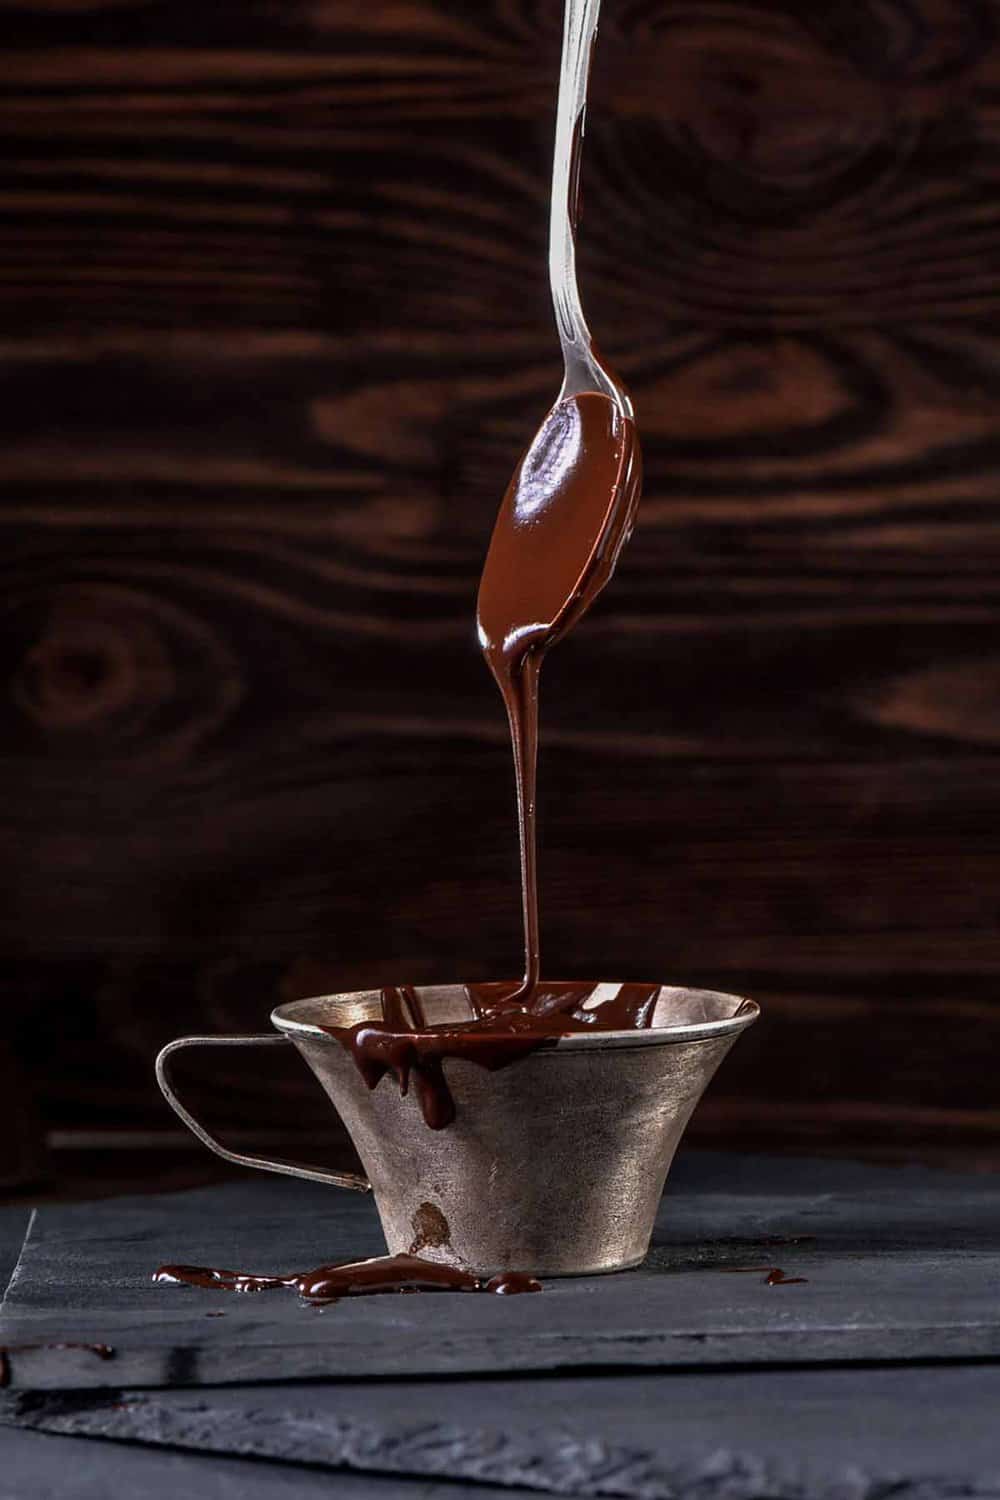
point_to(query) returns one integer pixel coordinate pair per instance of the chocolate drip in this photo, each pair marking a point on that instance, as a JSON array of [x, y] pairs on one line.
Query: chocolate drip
[[491, 1041], [773, 1275], [217, 1280], [502, 1030], [360, 1278], [561, 526], [632, 1009]]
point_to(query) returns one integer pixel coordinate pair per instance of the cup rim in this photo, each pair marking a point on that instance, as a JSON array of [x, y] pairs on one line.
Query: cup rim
[[745, 1013]]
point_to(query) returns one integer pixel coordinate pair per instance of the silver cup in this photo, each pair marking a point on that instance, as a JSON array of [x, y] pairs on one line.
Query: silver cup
[[553, 1165]]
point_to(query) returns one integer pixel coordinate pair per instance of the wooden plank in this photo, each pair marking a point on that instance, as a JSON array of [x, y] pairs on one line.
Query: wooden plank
[[901, 1266], [274, 332]]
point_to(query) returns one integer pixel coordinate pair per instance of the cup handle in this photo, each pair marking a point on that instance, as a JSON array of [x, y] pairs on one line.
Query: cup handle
[[353, 1180]]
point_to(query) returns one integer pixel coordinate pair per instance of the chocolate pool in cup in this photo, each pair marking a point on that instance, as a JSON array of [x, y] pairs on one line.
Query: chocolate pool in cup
[[553, 1164]]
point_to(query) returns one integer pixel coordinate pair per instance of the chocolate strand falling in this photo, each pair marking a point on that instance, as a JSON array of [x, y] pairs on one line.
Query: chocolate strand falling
[[561, 526], [563, 521], [571, 503], [521, 702]]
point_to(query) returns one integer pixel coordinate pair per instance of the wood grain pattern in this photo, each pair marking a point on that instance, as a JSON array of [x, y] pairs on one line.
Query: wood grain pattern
[[274, 331]]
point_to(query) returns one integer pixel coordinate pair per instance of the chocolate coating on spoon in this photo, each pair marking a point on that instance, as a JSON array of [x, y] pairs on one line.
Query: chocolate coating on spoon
[[562, 524], [565, 517]]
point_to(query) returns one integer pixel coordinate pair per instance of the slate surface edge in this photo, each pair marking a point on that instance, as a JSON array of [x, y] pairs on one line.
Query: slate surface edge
[[555, 1463]]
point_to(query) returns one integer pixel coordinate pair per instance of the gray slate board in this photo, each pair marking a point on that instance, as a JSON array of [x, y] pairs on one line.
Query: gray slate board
[[39, 1467], [904, 1265], [854, 1434]]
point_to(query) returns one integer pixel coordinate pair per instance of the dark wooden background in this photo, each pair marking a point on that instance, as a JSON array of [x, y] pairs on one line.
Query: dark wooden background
[[273, 331]]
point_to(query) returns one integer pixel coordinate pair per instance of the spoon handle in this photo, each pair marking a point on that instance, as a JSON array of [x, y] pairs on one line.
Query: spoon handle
[[583, 372]]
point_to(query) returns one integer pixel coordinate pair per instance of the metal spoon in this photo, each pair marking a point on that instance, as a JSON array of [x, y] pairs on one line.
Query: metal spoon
[[584, 372], [570, 506]]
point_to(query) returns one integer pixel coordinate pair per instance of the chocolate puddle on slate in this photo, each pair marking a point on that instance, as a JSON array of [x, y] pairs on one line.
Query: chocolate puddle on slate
[[360, 1278], [563, 521]]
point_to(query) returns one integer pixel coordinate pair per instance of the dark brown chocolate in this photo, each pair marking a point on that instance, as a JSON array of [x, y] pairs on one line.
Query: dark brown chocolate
[[217, 1280], [511, 1283], [502, 1030], [563, 521], [360, 1278]]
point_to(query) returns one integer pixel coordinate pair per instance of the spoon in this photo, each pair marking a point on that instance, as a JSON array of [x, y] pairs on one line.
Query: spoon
[[571, 504]]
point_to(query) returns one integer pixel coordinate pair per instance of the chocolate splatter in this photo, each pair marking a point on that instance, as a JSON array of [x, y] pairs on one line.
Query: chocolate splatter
[[360, 1278]]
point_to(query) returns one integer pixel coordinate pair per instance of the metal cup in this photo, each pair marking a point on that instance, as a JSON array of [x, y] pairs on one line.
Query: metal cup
[[553, 1165]]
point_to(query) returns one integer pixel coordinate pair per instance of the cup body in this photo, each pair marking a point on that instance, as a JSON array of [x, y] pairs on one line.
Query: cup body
[[553, 1165]]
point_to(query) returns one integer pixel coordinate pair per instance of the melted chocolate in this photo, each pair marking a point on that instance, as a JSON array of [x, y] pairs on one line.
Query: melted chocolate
[[513, 1282], [102, 1351], [217, 1280], [360, 1278], [773, 1275], [502, 1029], [631, 1009], [562, 523]]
